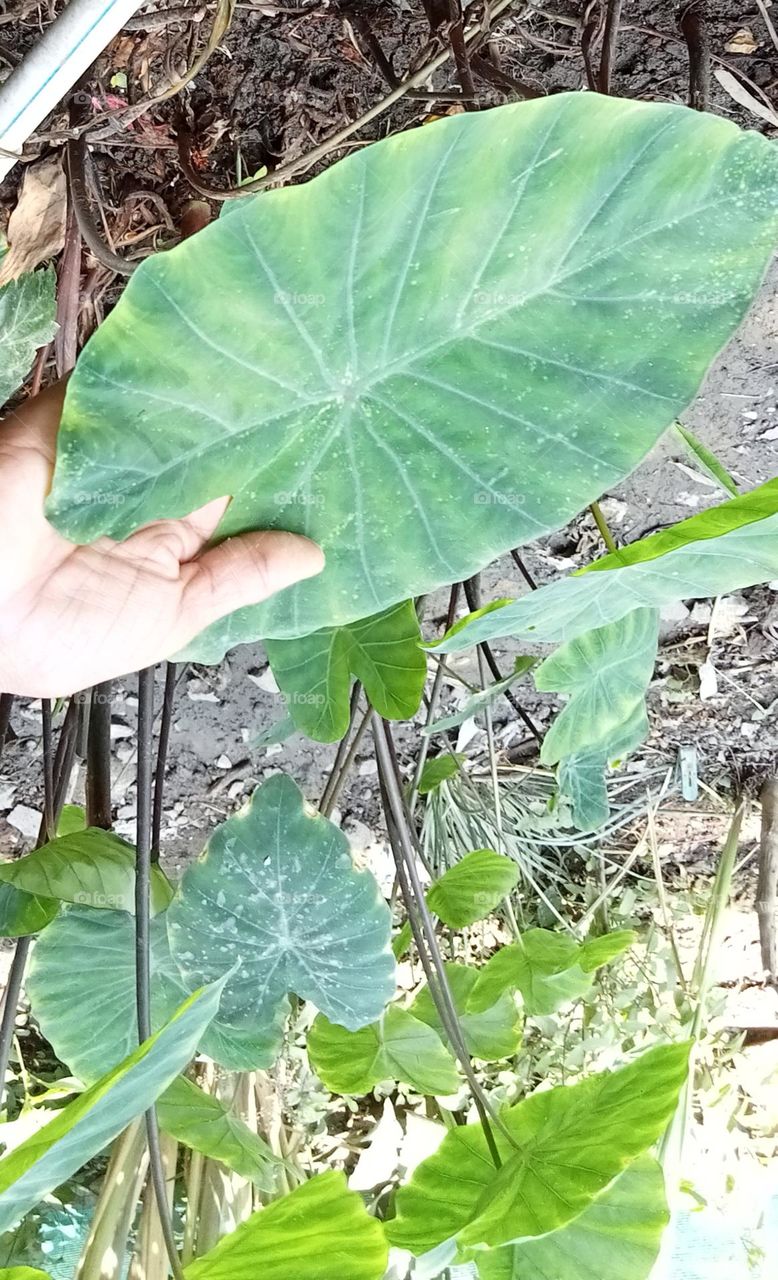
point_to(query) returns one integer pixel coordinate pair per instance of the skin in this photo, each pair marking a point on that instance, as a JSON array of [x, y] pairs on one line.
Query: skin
[[72, 616]]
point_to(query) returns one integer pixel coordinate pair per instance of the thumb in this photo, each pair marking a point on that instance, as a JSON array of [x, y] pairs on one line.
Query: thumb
[[243, 571]]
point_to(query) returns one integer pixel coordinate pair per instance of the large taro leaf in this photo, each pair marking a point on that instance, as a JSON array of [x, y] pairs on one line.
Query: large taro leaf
[[724, 549], [417, 370], [605, 673], [314, 672], [85, 1126], [548, 968], [397, 1047], [570, 1142], [491, 1028], [27, 308], [276, 891], [81, 986], [616, 1238], [319, 1232]]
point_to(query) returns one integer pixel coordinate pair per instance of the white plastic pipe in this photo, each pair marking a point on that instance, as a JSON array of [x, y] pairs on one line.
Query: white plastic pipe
[[62, 55]]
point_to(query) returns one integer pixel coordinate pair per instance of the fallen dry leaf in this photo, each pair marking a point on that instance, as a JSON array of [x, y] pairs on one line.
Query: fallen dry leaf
[[743, 41], [36, 228], [740, 94]]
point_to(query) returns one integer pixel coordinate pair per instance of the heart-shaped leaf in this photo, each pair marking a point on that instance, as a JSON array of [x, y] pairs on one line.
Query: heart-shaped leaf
[[437, 770], [314, 672], [549, 969], [606, 673], [277, 893], [570, 1142], [85, 1126], [472, 888], [81, 986], [418, 371], [724, 549], [202, 1122], [491, 1031], [397, 1047], [27, 309], [616, 1238], [320, 1231], [91, 867]]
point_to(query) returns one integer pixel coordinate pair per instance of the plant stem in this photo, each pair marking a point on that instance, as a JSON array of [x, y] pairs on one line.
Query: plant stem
[[602, 525], [168, 699], [49, 825], [6, 707], [63, 765], [523, 570], [694, 28], [437, 685], [98, 758], [474, 603], [103, 1254], [424, 931], [336, 783], [142, 946], [609, 42], [325, 805]]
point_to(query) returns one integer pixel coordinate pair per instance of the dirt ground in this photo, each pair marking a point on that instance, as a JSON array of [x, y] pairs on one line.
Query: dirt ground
[[283, 79]]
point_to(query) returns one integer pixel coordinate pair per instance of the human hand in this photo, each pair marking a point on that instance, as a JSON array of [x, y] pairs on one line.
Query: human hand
[[73, 616]]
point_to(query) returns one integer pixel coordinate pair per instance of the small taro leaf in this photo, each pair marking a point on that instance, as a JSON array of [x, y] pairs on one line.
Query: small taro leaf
[[200, 1121], [419, 421], [616, 1238], [27, 309], [548, 968], [490, 1033], [726, 548], [314, 672], [484, 698], [23, 913], [571, 1143], [581, 776], [581, 780], [472, 888], [81, 986], [91, 867], [85, 1126], [438, 770], [397, 1047], [707, 459], [23, 1273], [276, 891], [599, 951], [402, 941], [72, 818], [606, 673], [319, 1232]]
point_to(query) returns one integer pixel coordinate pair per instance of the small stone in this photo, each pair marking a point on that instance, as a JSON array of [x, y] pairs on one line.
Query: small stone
[[27, 821], [264, 680], [223, 762], [7, 793]]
